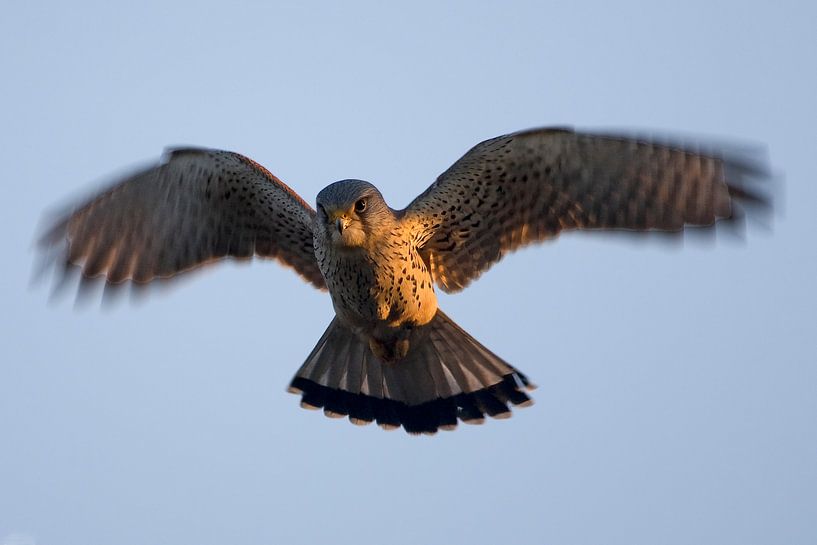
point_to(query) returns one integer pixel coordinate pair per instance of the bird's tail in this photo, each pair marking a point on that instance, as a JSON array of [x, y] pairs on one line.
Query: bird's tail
[[447, 375]]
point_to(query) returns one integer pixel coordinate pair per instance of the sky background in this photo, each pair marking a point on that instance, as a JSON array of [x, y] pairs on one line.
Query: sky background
[[677, 396]]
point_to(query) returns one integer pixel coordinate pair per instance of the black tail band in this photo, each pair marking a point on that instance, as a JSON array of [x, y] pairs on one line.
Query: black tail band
[[424, 418]]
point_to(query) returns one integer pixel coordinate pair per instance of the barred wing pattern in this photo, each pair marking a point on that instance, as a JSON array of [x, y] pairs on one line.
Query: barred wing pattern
[[197, 206], [529, 186]]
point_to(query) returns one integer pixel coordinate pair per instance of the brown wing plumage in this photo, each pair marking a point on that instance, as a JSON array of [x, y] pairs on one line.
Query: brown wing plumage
[[526, 187], [198, 205]]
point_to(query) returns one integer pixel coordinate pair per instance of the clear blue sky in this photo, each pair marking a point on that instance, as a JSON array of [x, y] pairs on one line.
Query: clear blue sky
[[678, 385]]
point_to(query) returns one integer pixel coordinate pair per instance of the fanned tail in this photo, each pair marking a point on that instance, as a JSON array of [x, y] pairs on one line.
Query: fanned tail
[[447, 376]]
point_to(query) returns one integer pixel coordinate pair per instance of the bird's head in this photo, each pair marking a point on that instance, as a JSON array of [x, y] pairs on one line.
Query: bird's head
[[352, 212]]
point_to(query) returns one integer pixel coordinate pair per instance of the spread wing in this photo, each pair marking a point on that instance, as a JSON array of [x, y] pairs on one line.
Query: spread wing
[[196, 206], [526, 187]]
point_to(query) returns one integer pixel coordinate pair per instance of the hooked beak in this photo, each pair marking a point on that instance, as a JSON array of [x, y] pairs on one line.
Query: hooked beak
[[340, 219]]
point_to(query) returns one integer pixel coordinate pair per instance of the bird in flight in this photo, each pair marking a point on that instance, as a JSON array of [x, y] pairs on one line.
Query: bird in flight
[[390, 355]]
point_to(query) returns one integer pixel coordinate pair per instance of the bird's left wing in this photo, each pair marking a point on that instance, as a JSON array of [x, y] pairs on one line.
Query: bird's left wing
[[197, 206], [529, 186]]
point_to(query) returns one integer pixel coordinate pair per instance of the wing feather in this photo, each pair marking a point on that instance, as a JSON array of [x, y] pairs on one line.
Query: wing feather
[[526, 187], [195, 207]]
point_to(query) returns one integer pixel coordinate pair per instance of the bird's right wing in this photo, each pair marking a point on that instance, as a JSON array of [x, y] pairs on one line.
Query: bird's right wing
[[197, 206]]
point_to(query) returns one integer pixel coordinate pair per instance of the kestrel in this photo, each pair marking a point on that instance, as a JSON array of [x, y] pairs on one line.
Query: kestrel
[[390, 355]]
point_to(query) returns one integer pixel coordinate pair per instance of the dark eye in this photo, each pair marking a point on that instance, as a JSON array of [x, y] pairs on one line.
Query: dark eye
[[360, 206], [321, 211]]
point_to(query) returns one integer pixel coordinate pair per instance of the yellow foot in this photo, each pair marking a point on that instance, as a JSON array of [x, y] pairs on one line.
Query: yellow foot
[[386, 353]]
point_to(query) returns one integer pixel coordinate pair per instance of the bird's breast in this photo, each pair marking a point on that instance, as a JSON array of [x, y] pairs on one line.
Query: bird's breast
[[388, 286]]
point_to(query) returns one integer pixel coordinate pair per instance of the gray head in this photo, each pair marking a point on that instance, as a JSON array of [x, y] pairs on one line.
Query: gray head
[[352, 211]]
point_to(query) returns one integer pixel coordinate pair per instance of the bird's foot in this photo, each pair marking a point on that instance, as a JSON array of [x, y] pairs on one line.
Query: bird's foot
[[389, 351]]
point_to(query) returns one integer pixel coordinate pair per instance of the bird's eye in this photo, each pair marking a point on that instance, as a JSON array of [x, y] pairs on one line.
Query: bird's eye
[[360, 205], [321, 211]]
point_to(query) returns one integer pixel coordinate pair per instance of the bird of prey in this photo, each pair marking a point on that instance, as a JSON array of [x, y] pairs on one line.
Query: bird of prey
[[390, 355]]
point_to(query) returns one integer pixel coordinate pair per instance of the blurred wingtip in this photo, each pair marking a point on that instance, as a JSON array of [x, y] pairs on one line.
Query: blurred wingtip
[[754, 187]]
